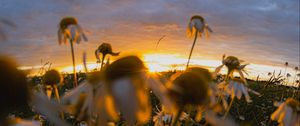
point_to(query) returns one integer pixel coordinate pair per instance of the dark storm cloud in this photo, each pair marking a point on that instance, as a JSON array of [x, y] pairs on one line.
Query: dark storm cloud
[[260, 31]]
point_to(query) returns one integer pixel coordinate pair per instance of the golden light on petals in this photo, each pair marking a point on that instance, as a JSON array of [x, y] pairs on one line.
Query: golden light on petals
[[110, 107]]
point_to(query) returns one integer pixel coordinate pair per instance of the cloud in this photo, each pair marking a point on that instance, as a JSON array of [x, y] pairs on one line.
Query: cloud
[[259, 31]]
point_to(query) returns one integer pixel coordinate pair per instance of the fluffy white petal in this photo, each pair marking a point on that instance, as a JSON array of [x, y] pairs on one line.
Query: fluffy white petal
[[50, 109], [288, 116], [246, 94], [208, 28], [60, 36], [82, 33], [159, 90], [239, 91], [74, 33], [72, 96], [198, 24], [125, 99]]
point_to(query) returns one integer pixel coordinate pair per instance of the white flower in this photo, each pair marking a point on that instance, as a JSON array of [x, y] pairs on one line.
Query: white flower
[[82, 101], [128, 84], [287, 114], [198, 24], [70, 29], [237, 88], [162, 119]]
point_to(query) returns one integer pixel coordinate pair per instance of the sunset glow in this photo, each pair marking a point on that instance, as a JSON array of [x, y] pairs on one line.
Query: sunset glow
[[166, 62], [139, 62]]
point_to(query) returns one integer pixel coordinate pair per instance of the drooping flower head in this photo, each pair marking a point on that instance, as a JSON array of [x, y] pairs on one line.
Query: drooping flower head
[[233, 64], [198, 24], [70, 29], [14, 92], [104, 49], [127, 91], [236, 88], [269, 73], [288, 75], [52, 77], [190, 87], [66, 21], [286, 63]]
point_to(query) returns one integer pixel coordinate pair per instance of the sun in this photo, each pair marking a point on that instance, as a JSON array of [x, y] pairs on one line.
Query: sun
[[162, 62], [154, 67]]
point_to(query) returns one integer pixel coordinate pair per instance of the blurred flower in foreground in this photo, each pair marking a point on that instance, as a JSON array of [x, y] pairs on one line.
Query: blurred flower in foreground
[[51, 79], [128, 83], [69, 29], [104, 49], [287, 113], [82, 100], [189, 88], [14, 93], [197, 25]]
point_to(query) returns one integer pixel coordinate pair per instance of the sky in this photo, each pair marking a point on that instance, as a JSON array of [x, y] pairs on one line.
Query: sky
[[260, 32]]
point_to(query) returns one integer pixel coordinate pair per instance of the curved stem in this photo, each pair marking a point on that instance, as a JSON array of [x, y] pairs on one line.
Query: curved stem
[[54, 87], [73, 60], [188, 62], [102, 61], [227, 111]]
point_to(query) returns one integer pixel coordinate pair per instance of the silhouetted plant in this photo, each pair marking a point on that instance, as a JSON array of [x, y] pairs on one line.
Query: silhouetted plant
[[104, 49], [197, 26], [15, 93], [69, 29]]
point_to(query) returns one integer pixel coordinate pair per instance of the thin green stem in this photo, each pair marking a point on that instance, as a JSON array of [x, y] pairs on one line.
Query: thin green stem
[[73, 60], [188, 62]]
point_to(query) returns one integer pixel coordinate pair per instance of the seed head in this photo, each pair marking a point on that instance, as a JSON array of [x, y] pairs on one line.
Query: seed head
[[66, 21], [52, 77], [232, 63]]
